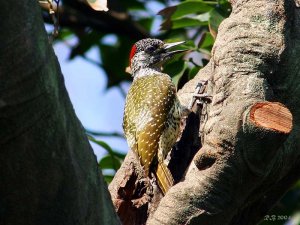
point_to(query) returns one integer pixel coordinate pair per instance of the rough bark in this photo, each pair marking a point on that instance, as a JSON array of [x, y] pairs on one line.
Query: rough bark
[[249, 154], [48, 172]]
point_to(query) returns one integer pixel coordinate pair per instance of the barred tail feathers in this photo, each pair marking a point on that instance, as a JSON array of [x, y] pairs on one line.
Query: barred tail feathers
[[164, 177]]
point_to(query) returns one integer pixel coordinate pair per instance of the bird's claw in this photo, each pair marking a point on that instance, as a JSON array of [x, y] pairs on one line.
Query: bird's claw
[[199, 97]]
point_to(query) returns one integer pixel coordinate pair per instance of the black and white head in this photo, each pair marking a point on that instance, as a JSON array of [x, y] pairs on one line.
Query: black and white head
[[151, 54]]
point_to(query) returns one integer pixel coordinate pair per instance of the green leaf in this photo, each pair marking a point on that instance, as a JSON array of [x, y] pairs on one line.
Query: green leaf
[[64, 34], [186, 22], [176, 69], [106, 147], [109, 162], [120, 155], [112, 160], [215, 18], [185, 8], [146, 23], [207, 41], [193, 72], [225, 7], [204, 17], [102, 144], [86, 41], [104, 134], [108, 178], [115, 59]]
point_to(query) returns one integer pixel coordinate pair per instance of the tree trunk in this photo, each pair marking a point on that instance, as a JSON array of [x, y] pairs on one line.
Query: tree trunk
[[48, 172], [247, 150]]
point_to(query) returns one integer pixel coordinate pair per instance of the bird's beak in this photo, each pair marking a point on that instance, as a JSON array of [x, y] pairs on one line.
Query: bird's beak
[[166, 47], [171, 45]]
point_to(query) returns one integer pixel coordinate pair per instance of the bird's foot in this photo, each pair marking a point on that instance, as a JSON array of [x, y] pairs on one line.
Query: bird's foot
[[199, 97]]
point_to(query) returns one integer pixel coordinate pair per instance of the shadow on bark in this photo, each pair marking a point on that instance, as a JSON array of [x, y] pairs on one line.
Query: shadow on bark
[[250, 137]]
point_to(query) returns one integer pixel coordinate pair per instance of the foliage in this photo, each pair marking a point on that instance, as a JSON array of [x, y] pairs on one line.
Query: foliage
[[110, 162]]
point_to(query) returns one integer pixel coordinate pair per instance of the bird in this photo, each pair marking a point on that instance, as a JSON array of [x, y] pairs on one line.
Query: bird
[[153, 112]]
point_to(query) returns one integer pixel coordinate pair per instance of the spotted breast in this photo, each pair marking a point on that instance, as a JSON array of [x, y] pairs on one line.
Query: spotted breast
[[151, 123]]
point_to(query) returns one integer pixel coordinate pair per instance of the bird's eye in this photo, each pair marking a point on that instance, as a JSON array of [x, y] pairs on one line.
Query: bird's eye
[[151, 49]]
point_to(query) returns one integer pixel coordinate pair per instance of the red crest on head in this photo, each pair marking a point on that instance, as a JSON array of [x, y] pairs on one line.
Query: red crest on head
[[132, 53]]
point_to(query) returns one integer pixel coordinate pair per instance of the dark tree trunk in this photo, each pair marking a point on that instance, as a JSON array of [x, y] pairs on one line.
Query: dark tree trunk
[[48, 172]]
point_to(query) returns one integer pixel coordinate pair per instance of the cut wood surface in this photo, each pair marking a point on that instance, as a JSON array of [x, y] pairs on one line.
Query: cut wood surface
[[272, 115]]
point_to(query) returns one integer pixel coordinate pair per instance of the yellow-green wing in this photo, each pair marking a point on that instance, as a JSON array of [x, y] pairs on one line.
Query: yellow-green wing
[[148, 104]]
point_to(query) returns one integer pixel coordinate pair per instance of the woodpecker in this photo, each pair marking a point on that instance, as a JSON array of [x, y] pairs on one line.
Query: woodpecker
[[152, 112]]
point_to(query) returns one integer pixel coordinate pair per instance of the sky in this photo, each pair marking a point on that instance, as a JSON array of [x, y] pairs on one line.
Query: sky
[[97, 109]]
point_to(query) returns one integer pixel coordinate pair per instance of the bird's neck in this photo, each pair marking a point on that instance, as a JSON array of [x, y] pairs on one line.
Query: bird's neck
[[148, 71]]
